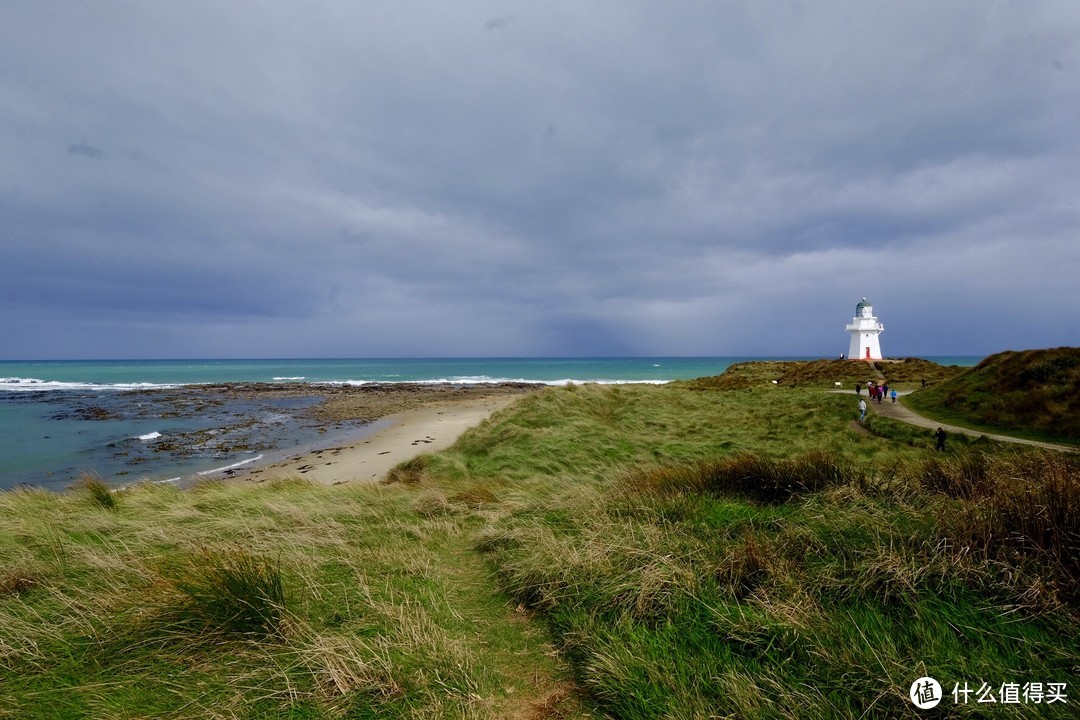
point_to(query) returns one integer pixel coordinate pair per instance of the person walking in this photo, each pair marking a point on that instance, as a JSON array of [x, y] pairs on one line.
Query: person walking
[[862, 409], [940, 440], [893, 395]]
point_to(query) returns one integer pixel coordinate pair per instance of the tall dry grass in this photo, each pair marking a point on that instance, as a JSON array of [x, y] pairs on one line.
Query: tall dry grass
[[752, 476], [810, 586], [97, 490], [233, 591], [1021, 511], [282, 599]]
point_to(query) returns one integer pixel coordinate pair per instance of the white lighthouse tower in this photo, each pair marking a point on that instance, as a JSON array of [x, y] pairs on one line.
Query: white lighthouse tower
[[864, 329]]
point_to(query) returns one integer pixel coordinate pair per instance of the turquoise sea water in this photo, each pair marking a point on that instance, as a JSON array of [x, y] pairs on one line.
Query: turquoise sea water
[[59, 419], [133, 374]]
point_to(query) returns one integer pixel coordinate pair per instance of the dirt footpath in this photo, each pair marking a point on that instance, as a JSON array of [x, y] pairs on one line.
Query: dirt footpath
[[899, 412]]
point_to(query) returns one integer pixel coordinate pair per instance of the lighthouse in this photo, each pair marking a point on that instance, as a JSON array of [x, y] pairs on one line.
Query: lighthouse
[[864, 329]]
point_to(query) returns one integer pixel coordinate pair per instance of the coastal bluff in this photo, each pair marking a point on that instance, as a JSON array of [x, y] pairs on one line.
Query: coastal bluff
[[907, 373]]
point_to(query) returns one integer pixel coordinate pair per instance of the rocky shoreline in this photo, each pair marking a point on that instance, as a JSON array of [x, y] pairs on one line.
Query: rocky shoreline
[[189, 431], [367, 402]]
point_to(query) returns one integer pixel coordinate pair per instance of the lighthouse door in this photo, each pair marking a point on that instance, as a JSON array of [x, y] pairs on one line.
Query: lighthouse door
[[867, 353]]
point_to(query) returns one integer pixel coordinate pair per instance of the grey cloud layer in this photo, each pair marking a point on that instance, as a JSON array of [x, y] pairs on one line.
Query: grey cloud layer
[[501, 178]]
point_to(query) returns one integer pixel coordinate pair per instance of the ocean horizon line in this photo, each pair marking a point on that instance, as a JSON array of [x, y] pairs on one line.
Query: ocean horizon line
[[121, 416], [133, 375], [387, 358]]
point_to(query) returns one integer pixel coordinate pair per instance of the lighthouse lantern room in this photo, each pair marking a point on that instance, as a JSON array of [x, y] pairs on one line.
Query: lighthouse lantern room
[[864, 329]]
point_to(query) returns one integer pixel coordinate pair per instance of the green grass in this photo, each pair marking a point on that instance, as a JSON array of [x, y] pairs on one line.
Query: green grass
[[673, 598], [687, 552], [283, 600], [97, 491], [232, 591], [1033, 394], [778, 564], [906, 373]]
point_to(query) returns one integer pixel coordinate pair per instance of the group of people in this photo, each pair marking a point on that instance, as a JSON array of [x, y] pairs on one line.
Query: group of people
[[877, 392]]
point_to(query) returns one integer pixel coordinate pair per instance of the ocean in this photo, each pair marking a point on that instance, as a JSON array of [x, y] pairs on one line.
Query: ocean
[[62, 419]]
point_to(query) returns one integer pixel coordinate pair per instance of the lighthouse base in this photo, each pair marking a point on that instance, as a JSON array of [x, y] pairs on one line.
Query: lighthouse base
[[864, 346]]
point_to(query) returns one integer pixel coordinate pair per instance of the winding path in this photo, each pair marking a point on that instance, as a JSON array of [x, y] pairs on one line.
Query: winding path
[[905, 414]]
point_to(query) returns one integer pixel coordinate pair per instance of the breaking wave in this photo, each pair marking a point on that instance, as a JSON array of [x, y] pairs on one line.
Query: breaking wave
[[18, 384], [487, 380], [231, 467]]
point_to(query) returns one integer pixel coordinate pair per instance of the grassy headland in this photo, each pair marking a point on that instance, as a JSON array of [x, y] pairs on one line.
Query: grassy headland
[[689, 551], [906, 373], [1033, 394]]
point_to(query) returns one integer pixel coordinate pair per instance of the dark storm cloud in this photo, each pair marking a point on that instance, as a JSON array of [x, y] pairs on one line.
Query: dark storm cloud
[[480, 178], [85, 150], [500, 23]]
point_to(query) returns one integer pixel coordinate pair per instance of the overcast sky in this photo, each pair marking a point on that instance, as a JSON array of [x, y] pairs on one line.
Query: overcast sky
[[361, 179]]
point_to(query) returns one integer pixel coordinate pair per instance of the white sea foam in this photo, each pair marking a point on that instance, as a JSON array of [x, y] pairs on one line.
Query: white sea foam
[[17, 384], [150, 436], [231, 467], [487, 380], [571, 381]]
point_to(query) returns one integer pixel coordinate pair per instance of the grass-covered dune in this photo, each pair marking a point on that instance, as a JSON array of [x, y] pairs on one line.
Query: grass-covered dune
[[903, 373], [1034, 393], [594, 551]]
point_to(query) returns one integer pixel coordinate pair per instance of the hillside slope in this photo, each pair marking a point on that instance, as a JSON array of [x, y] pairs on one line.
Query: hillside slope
[[905, 373], [1034, 392]]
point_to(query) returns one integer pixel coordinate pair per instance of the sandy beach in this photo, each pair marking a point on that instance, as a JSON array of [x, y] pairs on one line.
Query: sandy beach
[[430, 421]]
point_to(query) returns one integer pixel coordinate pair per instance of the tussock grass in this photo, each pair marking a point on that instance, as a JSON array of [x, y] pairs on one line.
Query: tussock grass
[[233, 591], [410, 472], [687, 552], [98, 492], [784, 580], [1022, 512], [905, 373], [16, 582], [277, 600], [757, 478], [673, 603], [475, 496], [1033, 393]]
